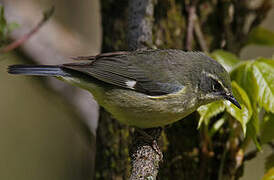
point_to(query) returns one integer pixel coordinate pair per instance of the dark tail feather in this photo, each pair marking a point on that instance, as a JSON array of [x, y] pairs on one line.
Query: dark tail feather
[[39, 70]]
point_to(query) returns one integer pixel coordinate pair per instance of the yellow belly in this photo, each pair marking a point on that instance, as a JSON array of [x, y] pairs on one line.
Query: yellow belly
[[140, 110], [137, 109]]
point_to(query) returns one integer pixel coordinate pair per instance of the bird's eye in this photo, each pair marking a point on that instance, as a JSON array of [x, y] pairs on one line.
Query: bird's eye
[[216, 86]]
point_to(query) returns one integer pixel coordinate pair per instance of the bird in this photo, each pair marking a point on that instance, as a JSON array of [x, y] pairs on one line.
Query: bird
[[144, 88]]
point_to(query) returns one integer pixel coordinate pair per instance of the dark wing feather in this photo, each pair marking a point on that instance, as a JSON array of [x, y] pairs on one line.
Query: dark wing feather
[[111, 54], [119, 71]]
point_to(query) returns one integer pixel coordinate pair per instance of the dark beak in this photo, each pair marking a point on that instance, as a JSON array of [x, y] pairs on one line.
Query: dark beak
[[232, 100]]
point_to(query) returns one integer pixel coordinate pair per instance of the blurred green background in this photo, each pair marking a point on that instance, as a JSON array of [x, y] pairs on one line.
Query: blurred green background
[[39, 134]]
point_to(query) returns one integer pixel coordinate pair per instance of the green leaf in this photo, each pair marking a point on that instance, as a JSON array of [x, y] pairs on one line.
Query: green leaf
[[216, 126], [210, 110], [267, 128], [226, 59], [243, 75], [242, 115], [256, 78], [269, 175], [263, 70], [252, 129], [261, 36]]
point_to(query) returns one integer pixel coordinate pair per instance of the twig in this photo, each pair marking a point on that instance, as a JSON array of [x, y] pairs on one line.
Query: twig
[[145, 153], [260, 13], [51, 45], [18, 42], [250, 155], [200, 36], [205, 152], [45, 48], [222, 163], [191, 18]]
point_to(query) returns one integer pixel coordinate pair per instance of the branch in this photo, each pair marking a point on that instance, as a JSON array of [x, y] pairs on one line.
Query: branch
[[251, 155], [200, 36], [140, 24], [18, 42], [191, 20], [145, 153]]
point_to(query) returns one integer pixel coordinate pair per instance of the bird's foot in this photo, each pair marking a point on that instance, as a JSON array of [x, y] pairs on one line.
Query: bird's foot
[[150, 137]]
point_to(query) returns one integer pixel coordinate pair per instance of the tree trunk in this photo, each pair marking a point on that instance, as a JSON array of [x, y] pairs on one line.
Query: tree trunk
[[112, 159], [191, 25]]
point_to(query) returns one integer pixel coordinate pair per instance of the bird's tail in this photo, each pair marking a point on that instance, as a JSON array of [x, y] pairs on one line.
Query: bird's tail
[[39, 70]]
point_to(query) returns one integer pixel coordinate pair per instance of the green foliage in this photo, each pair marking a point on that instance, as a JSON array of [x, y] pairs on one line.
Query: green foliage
[[269, 175], [256, 78], [263, 73], [253, 129], [253, 87], [261, 36], [242, 74], [267, 128], [210, 110], [5, 28], [227, 59], [216, 126], [242, 115]]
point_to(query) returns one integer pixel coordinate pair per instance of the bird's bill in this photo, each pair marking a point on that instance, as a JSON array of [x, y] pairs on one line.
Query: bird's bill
[[232, 100]]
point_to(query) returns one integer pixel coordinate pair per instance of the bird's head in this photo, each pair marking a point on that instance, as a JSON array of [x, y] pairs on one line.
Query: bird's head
[[215, 84]]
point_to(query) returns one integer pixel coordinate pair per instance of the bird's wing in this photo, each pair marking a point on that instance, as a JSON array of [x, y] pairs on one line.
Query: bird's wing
[[119, 70], [111, 54]]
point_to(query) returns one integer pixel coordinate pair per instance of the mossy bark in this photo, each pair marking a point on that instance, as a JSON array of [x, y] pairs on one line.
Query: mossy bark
[[112, 138], [145, 153]]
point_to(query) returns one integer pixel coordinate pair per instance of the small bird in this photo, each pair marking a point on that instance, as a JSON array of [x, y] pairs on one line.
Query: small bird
[[144, 88]]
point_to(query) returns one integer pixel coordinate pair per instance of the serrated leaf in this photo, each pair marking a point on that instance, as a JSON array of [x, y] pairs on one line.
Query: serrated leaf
[[261, 36], [210, 110], [242, 115], [256, 78], [267, 128], [263, 71], [269, 175], [226, 59]]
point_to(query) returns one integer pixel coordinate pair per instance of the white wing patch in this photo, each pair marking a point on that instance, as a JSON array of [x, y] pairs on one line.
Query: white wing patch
[[130, 84]]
